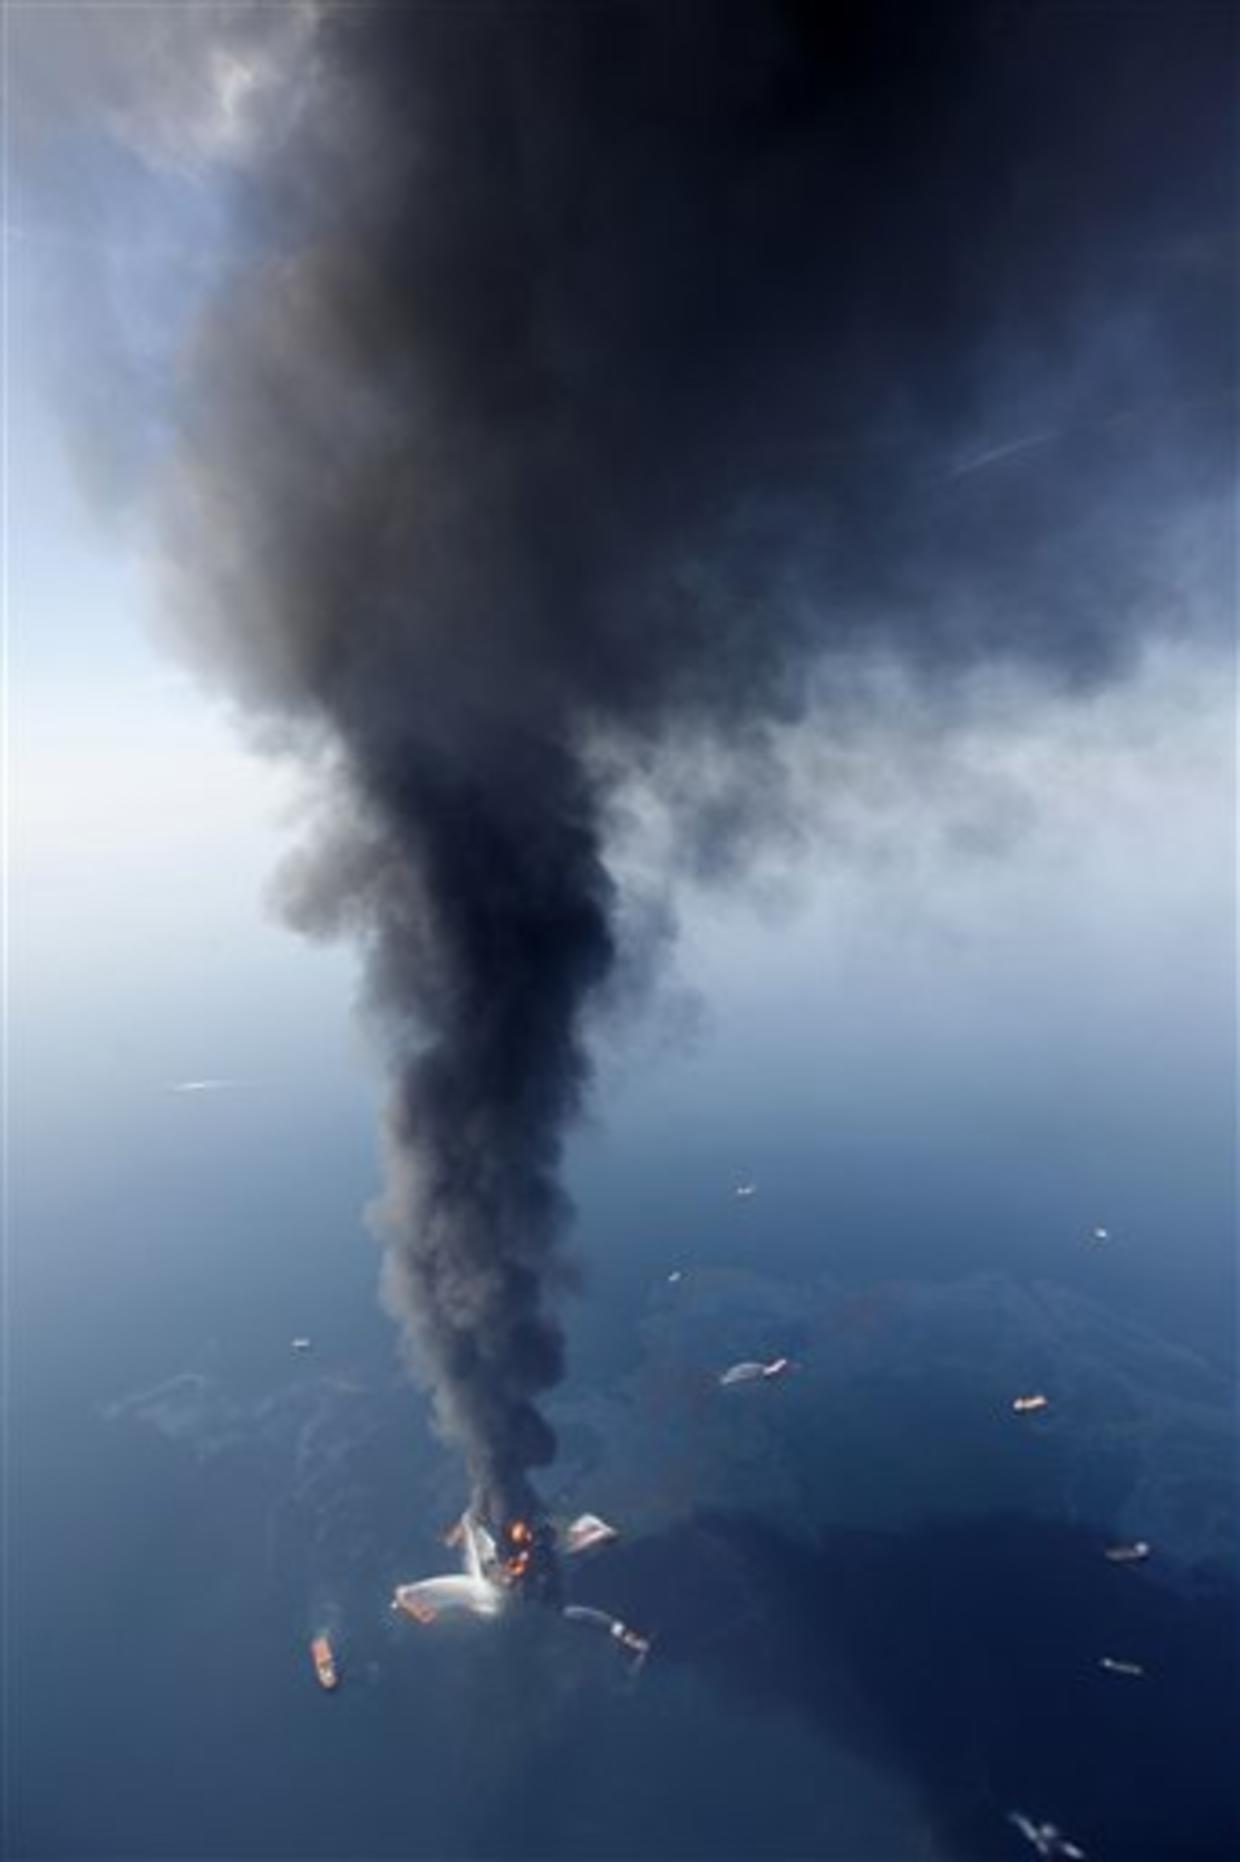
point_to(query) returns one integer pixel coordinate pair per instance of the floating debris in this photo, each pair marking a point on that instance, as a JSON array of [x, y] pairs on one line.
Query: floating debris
[[1100, 1234], [674, 1279], [745, 1190]]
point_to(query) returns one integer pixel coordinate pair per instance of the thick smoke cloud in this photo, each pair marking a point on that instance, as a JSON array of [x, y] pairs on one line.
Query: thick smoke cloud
[[594, 372]]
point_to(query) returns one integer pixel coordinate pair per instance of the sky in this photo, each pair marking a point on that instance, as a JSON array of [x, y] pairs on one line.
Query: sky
[[982, 959], [983, 903]]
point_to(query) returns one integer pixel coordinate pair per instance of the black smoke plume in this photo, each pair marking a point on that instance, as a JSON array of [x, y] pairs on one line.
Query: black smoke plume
[[593, 372]]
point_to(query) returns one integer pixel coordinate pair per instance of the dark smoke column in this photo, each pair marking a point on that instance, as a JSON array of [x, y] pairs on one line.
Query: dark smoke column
[[588, 372], [451, 454], [517, 935]]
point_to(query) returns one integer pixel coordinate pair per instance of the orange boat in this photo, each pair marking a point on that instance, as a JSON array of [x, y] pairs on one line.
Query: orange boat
[[324, 1663]]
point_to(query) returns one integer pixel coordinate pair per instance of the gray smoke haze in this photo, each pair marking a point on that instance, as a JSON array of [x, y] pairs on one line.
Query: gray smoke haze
[[592, 374]]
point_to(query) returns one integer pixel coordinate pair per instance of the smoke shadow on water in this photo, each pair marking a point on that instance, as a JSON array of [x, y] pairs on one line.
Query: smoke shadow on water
[[964, 1658]]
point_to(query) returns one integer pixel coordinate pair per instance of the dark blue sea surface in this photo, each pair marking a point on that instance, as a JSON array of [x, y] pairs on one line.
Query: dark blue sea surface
[[879, 1602]]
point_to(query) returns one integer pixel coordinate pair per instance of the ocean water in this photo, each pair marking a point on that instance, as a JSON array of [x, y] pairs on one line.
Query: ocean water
[[879, 1609]]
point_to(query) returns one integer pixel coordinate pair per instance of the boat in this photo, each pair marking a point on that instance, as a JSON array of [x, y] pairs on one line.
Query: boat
[[1115, 1666], [1134, 1554], [324, 1663]]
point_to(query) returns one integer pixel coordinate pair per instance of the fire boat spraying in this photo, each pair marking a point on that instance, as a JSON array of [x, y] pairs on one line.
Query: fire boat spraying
[[518, 1561]]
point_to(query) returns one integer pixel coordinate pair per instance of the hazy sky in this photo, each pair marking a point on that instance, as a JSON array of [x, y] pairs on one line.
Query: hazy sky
[[998, 906]]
